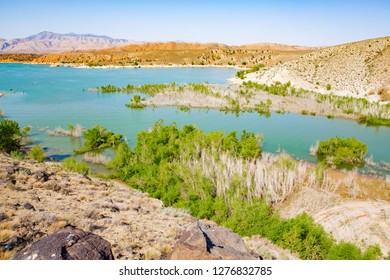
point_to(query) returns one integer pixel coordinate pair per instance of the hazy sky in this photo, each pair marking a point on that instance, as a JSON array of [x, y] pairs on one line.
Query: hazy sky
[[311, 23]]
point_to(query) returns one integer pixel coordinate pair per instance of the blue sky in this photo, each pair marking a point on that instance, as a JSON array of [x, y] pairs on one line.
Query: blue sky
[[311, 23]]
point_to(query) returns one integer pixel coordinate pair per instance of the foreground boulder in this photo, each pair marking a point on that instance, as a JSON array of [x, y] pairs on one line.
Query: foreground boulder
[[68, 244], [207, 241]]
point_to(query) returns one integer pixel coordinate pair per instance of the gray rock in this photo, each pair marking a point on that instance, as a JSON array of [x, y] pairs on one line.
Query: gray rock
[[28, 206], [42, 176], [68, 243], [207, 241]]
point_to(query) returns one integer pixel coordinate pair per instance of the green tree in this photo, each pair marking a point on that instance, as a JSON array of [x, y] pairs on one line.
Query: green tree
[[10, 136]]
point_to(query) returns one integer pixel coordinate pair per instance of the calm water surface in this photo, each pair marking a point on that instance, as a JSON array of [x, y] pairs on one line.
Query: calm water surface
[[46, 97]]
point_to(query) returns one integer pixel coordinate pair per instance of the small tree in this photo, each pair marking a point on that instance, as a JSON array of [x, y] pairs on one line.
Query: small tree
[[10, 136]]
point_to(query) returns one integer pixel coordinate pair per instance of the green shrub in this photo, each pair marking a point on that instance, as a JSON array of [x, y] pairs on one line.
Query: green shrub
[[72, 165], [135, 103], [36, 153], [349, 251], [16, 155], [344, 251], [122, 157], [342, 152], [10, 136], [373, 121], [328, 87]]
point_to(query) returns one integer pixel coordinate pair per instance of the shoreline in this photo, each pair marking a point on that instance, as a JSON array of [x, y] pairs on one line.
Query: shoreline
[[112, 66]]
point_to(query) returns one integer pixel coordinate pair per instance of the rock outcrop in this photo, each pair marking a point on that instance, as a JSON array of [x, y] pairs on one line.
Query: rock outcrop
[[207, 241], [68, 244]]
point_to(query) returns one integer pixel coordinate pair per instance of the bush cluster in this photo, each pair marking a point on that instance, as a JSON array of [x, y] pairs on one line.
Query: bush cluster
[[342, 152]]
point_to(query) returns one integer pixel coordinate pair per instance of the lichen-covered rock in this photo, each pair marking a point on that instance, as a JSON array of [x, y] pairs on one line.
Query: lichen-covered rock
[[68, 244], [207, 241]]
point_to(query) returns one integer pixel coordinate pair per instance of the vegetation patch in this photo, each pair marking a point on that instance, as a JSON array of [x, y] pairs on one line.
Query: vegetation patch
[[242, 74], [209, 174], [342, 152]]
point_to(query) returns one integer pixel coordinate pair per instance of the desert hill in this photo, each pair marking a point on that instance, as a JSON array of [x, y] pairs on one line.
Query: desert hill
[[49, 42], [275, 47], [357, 68], [177, 53]]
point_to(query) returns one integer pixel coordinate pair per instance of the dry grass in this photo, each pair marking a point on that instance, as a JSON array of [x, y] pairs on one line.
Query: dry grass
[[57, 225], [152, 253], [7, 255], [96, 158], [6, 233]]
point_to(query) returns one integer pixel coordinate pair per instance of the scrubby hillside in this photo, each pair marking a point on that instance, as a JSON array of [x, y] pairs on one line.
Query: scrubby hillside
[[358, 68]]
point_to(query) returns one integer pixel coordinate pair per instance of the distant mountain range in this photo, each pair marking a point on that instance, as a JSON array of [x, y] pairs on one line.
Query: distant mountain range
[[50, 42]]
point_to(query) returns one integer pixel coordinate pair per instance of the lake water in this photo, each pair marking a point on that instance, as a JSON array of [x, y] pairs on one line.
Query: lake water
[[47, 97]]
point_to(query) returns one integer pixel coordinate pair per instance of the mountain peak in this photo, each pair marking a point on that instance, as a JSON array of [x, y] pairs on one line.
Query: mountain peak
[[51, 42]]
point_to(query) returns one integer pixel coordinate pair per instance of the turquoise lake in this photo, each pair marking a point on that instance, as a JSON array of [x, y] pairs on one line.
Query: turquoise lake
[[50, 97]]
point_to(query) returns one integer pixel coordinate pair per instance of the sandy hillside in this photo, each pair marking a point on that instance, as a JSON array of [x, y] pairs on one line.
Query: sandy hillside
[[356, 68]]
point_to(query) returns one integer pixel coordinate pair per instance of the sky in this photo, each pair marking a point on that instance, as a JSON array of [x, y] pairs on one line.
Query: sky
[[306, 23]]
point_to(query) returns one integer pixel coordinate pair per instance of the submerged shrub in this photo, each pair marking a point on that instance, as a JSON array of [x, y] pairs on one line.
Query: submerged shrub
[[98, 138], [341, 152]]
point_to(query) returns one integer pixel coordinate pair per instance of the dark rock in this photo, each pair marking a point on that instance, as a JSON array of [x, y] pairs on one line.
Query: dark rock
[[10, 170], [68, 244], [96, 227], [28, 206], [24, 170], [41, 176], [207, 241], [114, 209], [3, 216], [12, 243]]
